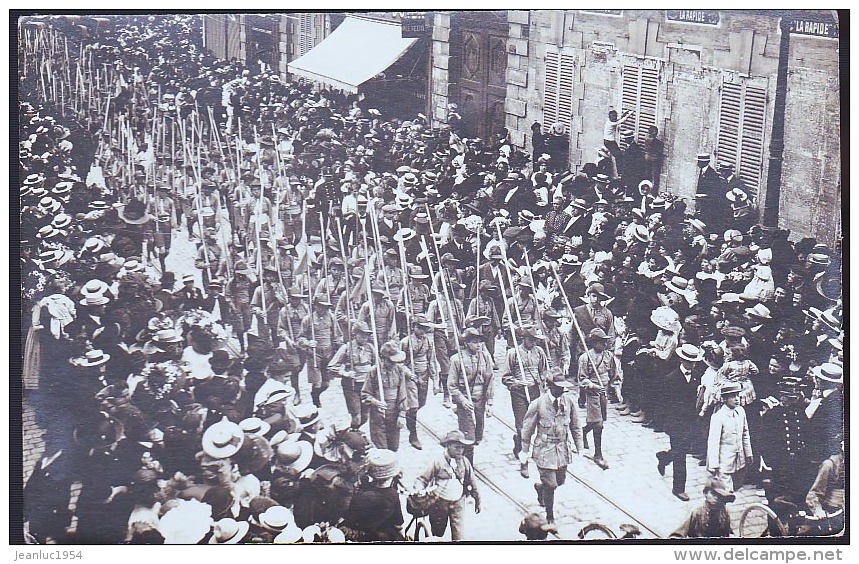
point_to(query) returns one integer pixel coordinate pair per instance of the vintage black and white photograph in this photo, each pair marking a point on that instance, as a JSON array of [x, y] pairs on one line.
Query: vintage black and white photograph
[[429, 276]]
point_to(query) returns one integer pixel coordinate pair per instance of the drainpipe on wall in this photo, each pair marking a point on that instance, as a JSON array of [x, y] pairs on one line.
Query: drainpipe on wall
[[769, 217]]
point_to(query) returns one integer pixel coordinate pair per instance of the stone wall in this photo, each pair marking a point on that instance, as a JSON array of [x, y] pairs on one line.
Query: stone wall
[[693, 60], [439, 73]]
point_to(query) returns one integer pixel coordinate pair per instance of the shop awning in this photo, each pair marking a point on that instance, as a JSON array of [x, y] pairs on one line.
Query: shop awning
[[354, 53]]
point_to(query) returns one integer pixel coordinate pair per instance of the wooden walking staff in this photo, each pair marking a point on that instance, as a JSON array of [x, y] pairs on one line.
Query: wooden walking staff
[[344, 258], [325, 262], [198, 191], [309, 281], [441, 270], [513, 331], [372, 309], [509, 277], [228, 255], [257, 226], [408, 300], [455, 328], [537, 306], [477, 272], [347, 290], [575, 321], [380, 257]]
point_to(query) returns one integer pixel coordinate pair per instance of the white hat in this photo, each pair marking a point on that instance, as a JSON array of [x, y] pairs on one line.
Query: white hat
[[223, 439], [829, 372], [229, 531], [186, 523], [276, 518], [690, 352], [666, 318], [760, 310], [95, 357], [255, 426]]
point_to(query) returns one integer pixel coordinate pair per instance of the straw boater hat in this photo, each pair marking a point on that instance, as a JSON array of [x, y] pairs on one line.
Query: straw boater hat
[[677, 284], [691, 353], [276, 518], [94, 300], [417, 273], [61, 221], [93, 245], [760, 310], [307, 415], [829, 372], [579, 203], [54, 258], [730, 388], [382, 464], [47, 232], [95, 357], [405, 234], [223, 439], [641, 233], [171, 335], [34, 179], [255, 426], [729, 298]]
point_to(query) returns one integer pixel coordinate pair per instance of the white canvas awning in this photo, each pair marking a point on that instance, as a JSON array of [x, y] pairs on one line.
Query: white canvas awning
[[354, 53]]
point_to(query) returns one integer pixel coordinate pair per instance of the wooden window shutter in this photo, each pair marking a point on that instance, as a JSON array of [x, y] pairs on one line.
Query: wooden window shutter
[[558, 91], [751, 156], [742, 112], [565, 92], [640, 94], [551, 89], [306, 32], [648, 97]]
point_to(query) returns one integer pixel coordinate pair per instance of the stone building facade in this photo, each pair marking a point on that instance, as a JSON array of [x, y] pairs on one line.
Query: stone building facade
[[706, 79], [276, 39]]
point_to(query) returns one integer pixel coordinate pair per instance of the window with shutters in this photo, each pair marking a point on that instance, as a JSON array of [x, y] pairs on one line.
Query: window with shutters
[[558, 90], [305, 33], [742, 112], [639, 93]]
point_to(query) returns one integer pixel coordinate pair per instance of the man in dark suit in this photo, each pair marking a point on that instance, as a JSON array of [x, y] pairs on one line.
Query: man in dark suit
[[710, 202], [513, 195], [826, 411], [680, 392]]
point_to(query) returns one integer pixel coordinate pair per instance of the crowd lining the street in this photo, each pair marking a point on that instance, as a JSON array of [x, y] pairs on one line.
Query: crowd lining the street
[[335, 242]]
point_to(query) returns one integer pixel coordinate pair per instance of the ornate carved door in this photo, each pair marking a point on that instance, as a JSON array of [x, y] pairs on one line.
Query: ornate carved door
[[482, 80]]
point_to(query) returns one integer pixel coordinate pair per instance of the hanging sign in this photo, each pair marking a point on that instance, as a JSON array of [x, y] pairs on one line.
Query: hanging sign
[[703, 17]]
